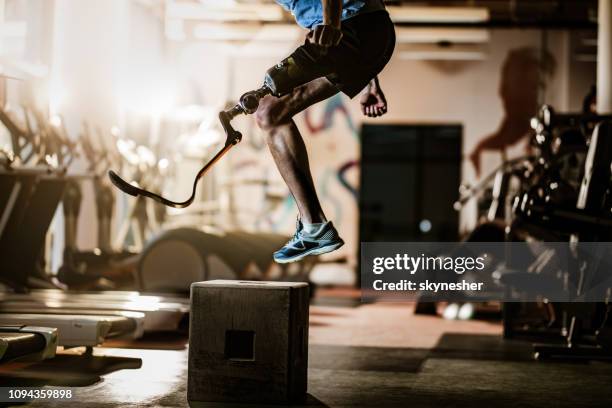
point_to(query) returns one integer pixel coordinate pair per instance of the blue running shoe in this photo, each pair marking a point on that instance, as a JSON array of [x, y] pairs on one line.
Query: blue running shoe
[[302, 244]]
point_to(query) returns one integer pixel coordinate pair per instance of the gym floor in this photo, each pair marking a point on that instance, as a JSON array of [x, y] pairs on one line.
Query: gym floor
[[360, 355]]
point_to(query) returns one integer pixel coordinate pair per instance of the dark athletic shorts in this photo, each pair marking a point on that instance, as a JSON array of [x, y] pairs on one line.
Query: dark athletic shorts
[[367, 45]]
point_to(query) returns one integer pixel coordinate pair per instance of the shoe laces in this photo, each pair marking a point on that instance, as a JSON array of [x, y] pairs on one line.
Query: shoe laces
[[296, 235]]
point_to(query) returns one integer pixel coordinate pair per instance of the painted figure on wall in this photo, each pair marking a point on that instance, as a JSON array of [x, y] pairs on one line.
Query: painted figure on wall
[[524, 76]]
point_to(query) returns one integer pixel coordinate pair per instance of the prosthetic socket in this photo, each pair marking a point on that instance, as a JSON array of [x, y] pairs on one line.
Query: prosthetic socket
[[279, 80]]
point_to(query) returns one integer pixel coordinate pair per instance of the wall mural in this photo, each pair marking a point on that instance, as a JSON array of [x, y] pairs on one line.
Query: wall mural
[[332, 105], [336, 105], [524, 76]]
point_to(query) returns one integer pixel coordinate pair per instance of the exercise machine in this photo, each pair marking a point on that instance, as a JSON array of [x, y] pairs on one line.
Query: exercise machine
[[31, 343], [103, 267], [578, 330], [586, 323], [33, 194], [30, 196], [196, 255], [80, 330], [550, 174]]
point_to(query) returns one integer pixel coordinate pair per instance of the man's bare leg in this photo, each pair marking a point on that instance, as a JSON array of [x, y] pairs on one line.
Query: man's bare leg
[[275, 117]]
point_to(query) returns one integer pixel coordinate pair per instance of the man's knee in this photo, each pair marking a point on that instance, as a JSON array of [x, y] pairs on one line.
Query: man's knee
[[271, 113]]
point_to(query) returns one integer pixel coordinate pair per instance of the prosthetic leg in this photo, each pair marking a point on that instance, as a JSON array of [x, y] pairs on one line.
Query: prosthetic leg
[[279, 80]]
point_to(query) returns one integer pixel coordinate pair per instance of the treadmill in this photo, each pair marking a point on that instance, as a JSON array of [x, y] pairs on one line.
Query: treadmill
[[77, 330], [29, 197], [153, 313], [19, 342]]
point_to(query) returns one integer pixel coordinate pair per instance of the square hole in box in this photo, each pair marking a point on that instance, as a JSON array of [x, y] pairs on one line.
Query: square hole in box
[[240, 345]]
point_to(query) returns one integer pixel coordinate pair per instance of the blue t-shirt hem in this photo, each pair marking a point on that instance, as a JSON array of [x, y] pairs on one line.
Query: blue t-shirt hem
[[309, 13]]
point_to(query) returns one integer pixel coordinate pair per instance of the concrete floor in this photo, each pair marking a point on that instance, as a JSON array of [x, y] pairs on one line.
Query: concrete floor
[[378, 355]]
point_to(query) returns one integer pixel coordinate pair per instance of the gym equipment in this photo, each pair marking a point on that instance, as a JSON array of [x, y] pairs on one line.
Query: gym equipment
[[540, 208], [35, 193], [560, 141], [500, 179], [132, 325], [29, 195], [161, 313], [78, 330], [27, 147], [550, 177], [102, 266], [143, 217], [194, 255], [27, 342], [549, 199], [248, 342], [22, 239], [278, 81], [594, 200]]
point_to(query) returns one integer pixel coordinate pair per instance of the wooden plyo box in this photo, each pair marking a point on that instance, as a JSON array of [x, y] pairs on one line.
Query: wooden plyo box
[[248, 342]]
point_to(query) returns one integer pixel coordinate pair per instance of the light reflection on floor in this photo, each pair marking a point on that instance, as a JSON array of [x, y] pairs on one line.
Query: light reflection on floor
[[162, 373], [161, 376]]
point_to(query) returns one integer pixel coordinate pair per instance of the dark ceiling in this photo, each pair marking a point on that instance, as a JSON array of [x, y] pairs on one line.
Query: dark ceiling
[[527, 13]]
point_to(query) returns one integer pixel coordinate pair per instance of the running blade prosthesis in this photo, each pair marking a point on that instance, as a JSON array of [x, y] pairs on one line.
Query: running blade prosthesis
[[249, 102]]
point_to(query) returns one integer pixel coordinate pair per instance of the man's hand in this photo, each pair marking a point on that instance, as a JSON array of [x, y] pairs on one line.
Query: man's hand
[[325, 36], [328, 34], [373, 102]]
